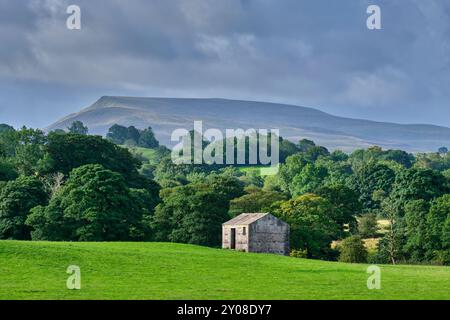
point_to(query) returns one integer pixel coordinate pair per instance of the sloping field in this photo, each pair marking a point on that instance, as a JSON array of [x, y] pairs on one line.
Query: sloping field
[[37, 270]]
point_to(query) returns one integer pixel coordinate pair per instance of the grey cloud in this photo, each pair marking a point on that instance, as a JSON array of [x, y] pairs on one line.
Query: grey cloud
[[317, 53]]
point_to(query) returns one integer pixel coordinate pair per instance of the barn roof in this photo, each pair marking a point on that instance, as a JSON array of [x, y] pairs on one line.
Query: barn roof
[[245, 218]]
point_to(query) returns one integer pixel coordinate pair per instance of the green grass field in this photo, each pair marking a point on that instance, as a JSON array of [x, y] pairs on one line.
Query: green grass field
[[149, 154], [37, 270]]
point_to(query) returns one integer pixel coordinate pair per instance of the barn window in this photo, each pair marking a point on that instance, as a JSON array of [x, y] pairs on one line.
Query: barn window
[[244, 231]]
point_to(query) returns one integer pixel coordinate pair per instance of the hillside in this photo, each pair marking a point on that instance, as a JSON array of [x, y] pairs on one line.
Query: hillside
[[37, 270], [294, 122]]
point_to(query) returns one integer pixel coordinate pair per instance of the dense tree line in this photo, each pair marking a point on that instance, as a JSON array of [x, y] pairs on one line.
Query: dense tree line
[[131, 136], [73, 186], [330, 196]]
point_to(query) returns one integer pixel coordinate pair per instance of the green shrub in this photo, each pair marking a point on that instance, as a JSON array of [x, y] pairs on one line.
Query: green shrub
[[374, 258], [442, 257], [352, 250], [302, 254]]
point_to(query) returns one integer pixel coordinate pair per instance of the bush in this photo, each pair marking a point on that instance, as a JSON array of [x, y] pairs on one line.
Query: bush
[[352, 250], [302, 254], [442, 257], [374, 258]]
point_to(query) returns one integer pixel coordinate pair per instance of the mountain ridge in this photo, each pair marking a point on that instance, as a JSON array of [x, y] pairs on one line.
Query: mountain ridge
[[295, 122]]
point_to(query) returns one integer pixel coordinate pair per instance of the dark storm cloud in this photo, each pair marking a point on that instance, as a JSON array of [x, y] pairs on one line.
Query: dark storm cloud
[[317, 53]]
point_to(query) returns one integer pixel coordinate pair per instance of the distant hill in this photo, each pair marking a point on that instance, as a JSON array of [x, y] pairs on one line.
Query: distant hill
[[294, 122]]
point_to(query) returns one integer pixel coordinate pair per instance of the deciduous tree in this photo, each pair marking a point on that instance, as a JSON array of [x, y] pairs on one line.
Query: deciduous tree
[[78, 127], [95, 204], [312, 227], [17, 197]]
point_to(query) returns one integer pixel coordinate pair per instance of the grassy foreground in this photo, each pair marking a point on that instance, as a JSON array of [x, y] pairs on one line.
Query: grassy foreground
[[37, 270]]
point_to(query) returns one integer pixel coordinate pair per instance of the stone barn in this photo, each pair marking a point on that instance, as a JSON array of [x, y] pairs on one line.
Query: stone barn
[[256, 232]]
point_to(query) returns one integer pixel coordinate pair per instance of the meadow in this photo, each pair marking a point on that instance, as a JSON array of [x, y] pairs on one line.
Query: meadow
[[37, 270]]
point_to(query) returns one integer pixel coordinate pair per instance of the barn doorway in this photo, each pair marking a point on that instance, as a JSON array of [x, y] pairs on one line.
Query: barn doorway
[[233, 239]]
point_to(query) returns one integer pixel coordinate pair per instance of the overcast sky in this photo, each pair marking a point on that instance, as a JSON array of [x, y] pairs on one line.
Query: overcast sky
[[313, 53]]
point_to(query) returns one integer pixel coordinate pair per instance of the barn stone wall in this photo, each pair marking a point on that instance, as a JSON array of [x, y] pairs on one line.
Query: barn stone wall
[[241, 238], [265, 235], [269, 235]]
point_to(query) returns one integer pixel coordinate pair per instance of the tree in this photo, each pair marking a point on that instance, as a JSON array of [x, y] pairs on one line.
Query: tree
[[352, 250], [376, 154], [58, 131], [117, 134], [405, 211], [252, 178], [91, 150], [438, 225], [443, 150], [414, 184], [305, 144], [446, 174], [338, 156], [6, 128], [95, 204], [399, 156], [147, 139], [444, 255], [390, 247], [255, 200], [272, 183], [191, 214], [299, 175], [416, 229], [371, 154], [30, 156], [140, 220], [309, 179], [16, 200], [338, 171], [433, 161], [133, 134], [78, 127], [167, 170], [226, 186], [346, 205], [370, 177], [287, 149], [294, 164], [132, 137], [7, 170], [194, 213], [8, 141], [312, 228], [368, 225], [314, 153], [53, 183]]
